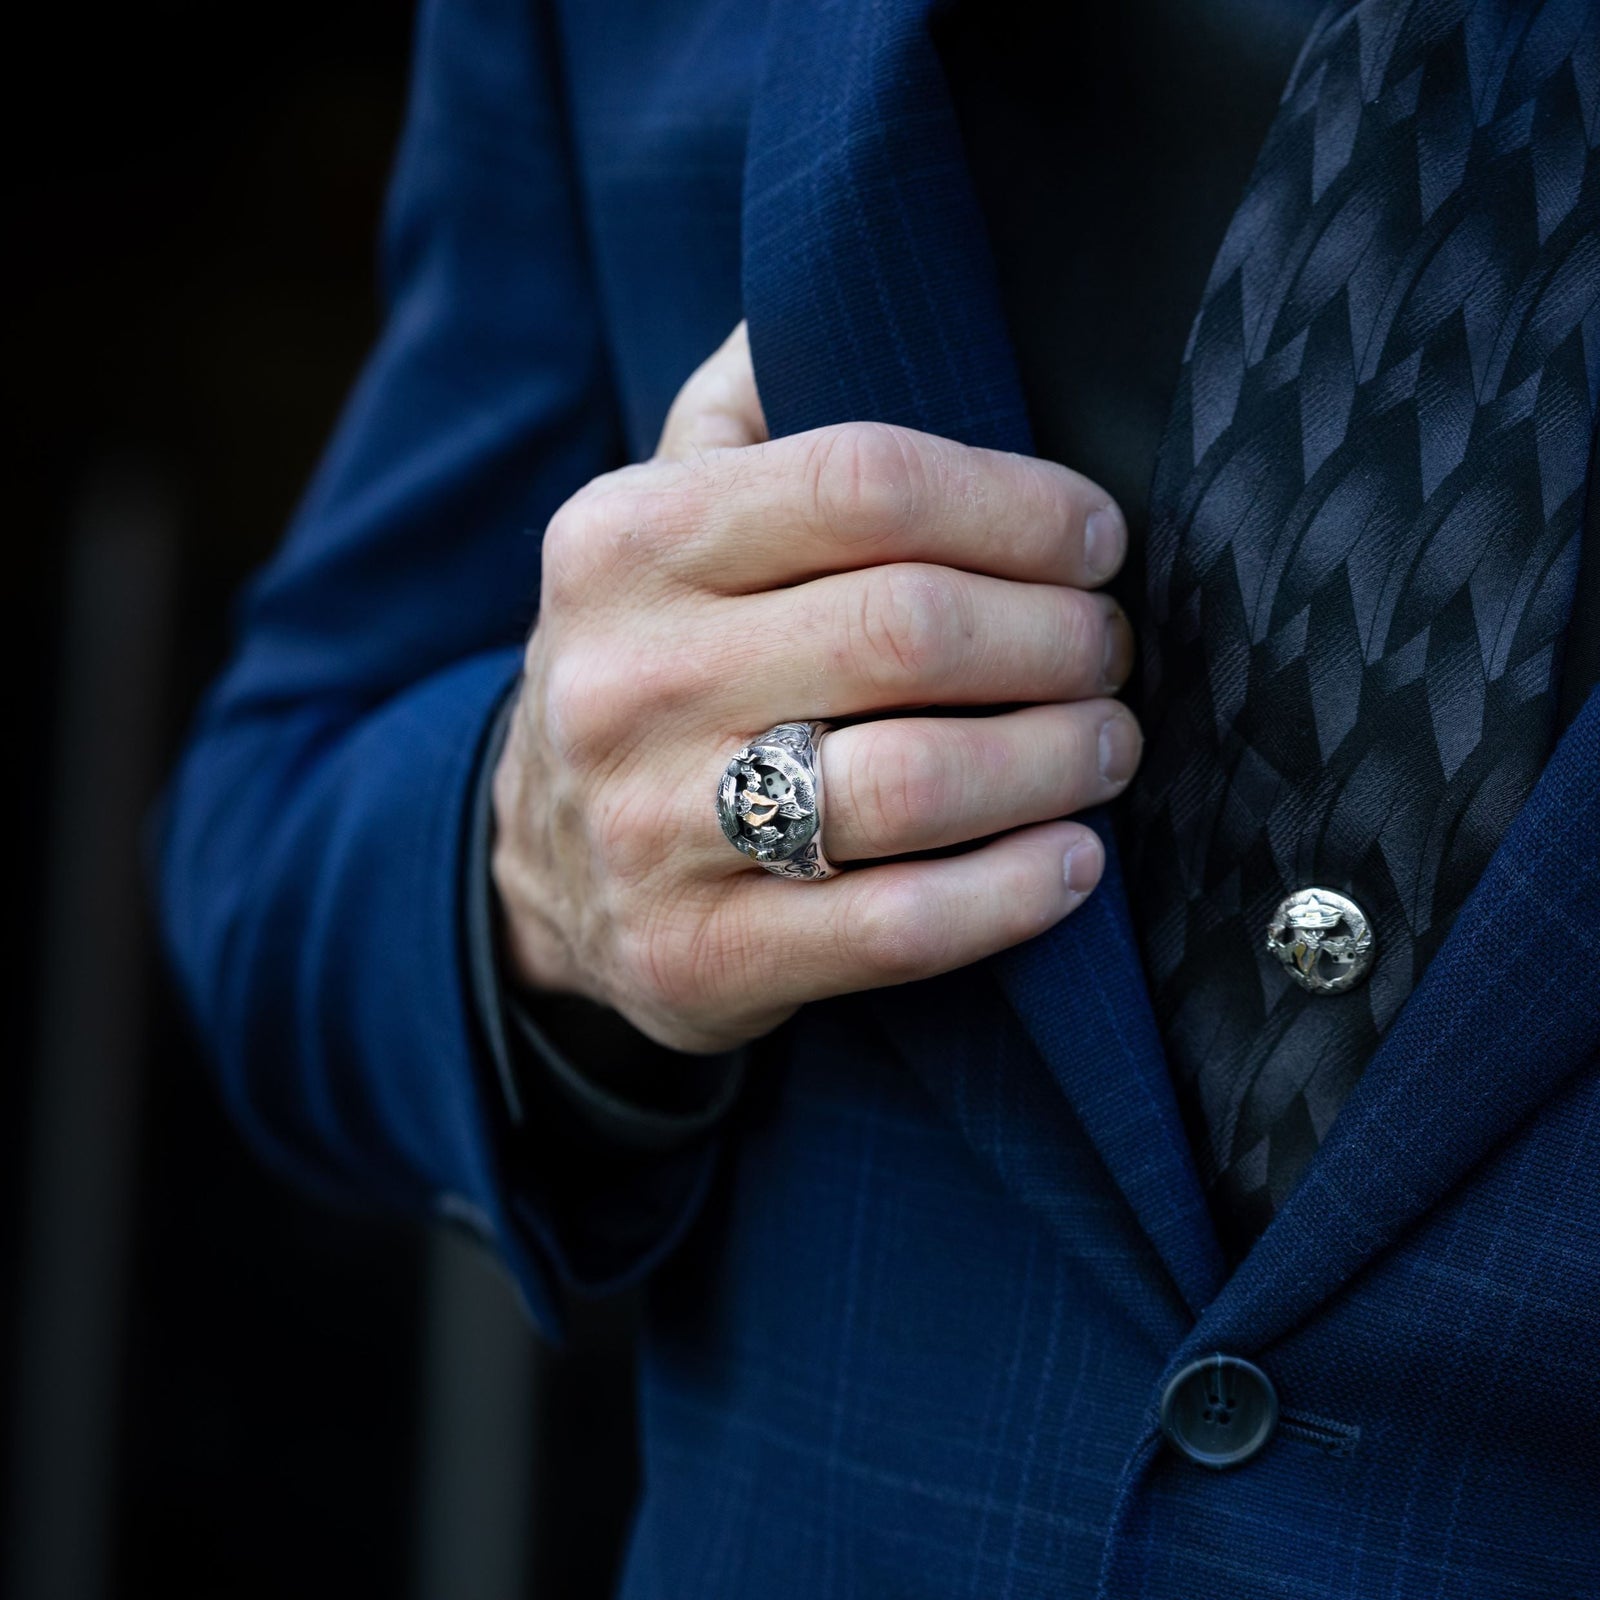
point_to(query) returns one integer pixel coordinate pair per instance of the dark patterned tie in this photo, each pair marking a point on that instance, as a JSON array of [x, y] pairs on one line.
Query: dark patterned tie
[[1364, 538]]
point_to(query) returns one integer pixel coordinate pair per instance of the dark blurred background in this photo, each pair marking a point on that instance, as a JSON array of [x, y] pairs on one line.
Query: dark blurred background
[[211, 1385]]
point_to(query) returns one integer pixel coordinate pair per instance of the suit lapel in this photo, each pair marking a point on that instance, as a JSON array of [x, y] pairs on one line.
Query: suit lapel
[[1508, 1007], [871, 296], [868, 283], [1508, 1010]]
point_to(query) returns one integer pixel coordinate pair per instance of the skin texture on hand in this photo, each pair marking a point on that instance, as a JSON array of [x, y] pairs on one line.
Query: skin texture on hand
[[732, 583]]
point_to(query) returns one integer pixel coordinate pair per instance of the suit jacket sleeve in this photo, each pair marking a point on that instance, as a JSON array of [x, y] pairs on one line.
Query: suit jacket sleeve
[[314, 835]]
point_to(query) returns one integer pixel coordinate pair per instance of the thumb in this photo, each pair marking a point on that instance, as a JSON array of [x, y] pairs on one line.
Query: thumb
[[718, 408]]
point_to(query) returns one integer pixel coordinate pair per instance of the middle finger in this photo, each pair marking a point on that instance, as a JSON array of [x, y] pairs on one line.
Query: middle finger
[[909, 635]]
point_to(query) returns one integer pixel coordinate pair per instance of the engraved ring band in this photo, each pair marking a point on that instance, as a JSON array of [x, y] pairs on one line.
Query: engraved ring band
[[769, 801]]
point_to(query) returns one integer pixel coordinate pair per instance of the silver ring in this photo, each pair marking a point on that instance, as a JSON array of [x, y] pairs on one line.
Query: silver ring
[[769, 802]]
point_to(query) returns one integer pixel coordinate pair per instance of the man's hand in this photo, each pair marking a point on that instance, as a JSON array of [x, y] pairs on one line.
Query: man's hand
[[693, 601]]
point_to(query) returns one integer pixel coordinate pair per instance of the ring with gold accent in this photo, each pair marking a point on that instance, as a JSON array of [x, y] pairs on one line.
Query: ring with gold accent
[[769, 801]]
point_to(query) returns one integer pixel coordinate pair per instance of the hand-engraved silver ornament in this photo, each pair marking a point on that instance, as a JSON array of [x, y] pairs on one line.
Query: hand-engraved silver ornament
[[1324, 940], [769, 802]]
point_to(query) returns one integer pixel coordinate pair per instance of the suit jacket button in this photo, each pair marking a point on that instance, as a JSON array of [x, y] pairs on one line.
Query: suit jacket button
[[1323, 939], [1219, 1411]]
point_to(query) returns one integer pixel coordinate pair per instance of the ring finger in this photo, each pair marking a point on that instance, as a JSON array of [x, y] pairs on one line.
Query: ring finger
[[906, 784]]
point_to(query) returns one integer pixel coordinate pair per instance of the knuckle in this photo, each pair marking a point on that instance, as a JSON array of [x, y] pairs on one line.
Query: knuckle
[[1046, 497], [1080, 744], [567, 551], [893, 940], [897, 783], [660, 974], [586, 706], [730, 950], [1026, 903], [678, 962], [1080, 637], [626, 834], [866, 480], [905, 625], [612, 526], [595, 695]]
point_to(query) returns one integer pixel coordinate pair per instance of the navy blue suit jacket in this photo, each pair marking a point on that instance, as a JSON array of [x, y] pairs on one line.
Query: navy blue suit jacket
[[907, 1336]]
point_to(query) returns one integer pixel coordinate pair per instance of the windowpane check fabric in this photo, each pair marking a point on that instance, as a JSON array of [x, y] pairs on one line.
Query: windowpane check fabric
[[1364, 541], [911, 1335]]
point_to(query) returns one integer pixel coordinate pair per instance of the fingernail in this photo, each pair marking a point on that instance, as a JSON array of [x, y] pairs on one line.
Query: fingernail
[[1105, 542], [1118, 661], [1080, 869], [1120, 742]]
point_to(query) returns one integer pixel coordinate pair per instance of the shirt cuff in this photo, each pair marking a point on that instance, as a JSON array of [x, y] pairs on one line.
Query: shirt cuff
[[616, 1087]]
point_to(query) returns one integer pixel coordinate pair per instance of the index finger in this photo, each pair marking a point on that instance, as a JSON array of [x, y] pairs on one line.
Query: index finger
[[864, 494]]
